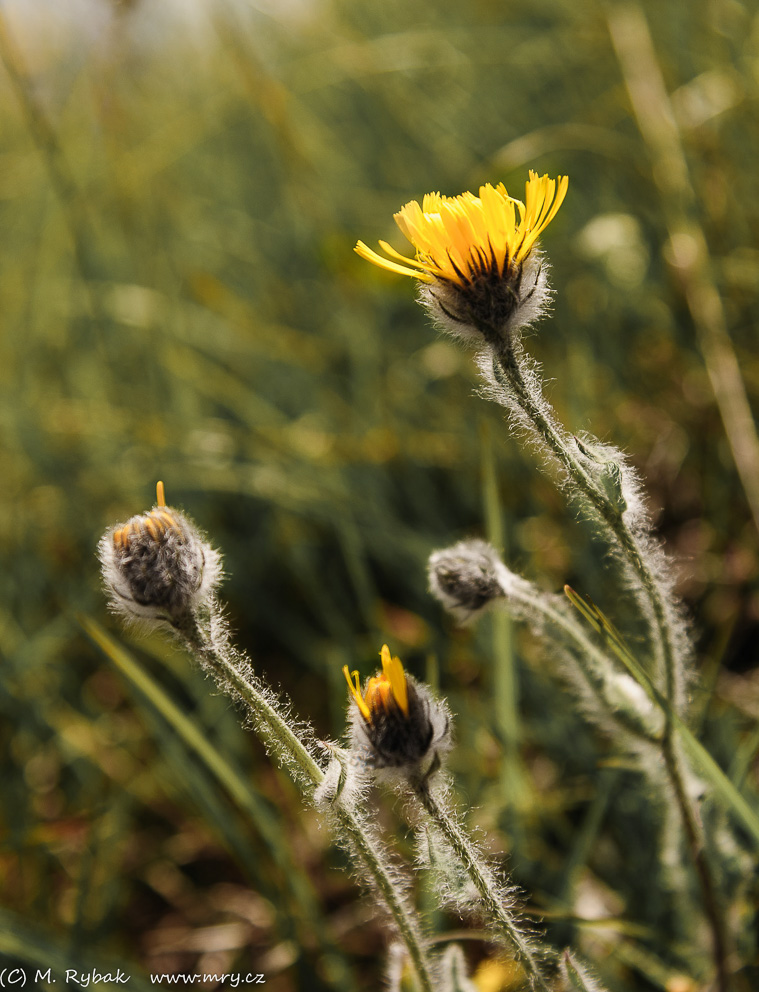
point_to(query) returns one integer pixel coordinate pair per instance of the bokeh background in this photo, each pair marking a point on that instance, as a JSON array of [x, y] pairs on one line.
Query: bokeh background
[[181, 186]]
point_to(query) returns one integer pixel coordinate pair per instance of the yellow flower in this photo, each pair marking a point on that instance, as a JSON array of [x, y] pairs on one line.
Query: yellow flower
[[461, 239], [381, 689], [497, 975], [397, 723]]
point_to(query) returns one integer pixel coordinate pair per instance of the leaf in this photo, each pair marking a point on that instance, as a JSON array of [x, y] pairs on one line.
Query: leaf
[[576, 977], [703, 763], [454, 969]]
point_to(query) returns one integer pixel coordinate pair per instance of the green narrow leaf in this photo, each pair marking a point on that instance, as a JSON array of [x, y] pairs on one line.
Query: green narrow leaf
[[455, 971], [576, 976], [261, 818], [703, 762]]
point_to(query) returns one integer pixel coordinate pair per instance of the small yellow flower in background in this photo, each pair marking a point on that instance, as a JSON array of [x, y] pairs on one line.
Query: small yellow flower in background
[[477, 254], [497, 975], [396, 723]]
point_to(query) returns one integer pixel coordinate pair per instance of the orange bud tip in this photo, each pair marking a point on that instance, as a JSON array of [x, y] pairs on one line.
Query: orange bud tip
[[160, 496]]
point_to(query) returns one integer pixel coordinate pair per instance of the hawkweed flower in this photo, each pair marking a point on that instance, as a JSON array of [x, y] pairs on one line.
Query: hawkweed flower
[[395, 722], [477, 260], [157, 566]]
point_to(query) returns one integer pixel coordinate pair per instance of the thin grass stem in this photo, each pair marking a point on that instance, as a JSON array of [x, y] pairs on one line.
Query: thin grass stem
[[689, 252], [61, 180], [505, 678]]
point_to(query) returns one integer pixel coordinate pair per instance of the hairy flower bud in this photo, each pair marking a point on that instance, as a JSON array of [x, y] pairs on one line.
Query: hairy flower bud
[[396, 723], [157, 566], [464, 578]]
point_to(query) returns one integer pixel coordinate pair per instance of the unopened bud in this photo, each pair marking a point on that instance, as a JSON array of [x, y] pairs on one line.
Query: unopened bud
[[465, 577], [157, 566]]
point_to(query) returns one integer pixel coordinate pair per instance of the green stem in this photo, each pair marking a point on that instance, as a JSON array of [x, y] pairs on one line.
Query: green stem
[[611, 516], [267, 716], [505, 679], [472, 863], [697, 844], [662, 633], [591, 661]]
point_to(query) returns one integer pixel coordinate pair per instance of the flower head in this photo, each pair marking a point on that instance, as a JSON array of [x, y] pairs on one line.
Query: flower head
[[396, 721], [465, 578], [157, 566], [477, 255]]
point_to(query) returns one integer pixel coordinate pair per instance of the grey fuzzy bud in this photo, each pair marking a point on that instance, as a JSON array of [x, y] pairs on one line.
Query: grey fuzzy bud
[[157, 566], [464, 578]]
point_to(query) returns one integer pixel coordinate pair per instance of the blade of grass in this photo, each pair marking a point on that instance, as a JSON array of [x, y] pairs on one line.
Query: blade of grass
[[505, 682], [689, 251], [269, 829]]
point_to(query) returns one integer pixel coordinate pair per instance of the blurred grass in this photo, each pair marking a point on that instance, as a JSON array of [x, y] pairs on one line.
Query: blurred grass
[[180, 301]]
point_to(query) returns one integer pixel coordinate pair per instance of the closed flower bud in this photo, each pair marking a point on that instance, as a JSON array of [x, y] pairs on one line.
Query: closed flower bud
[[157, 566], [464, 578], [396, 723]]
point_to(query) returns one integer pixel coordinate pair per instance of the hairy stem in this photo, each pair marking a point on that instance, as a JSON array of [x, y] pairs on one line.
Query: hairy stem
[[274, 728], [532, 407], [471, 860], [611, 517], [529, 604]]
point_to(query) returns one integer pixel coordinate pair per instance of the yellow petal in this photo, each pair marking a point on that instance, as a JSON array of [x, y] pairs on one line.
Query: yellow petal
[[355, 689], [393, 671], [402, 258], [384, 263], [455, 235]]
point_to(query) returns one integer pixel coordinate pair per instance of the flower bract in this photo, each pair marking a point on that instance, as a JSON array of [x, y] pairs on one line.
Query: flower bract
[[157, 565]]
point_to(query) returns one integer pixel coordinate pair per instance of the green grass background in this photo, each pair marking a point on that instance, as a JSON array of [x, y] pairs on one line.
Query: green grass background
[[180, 300]]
